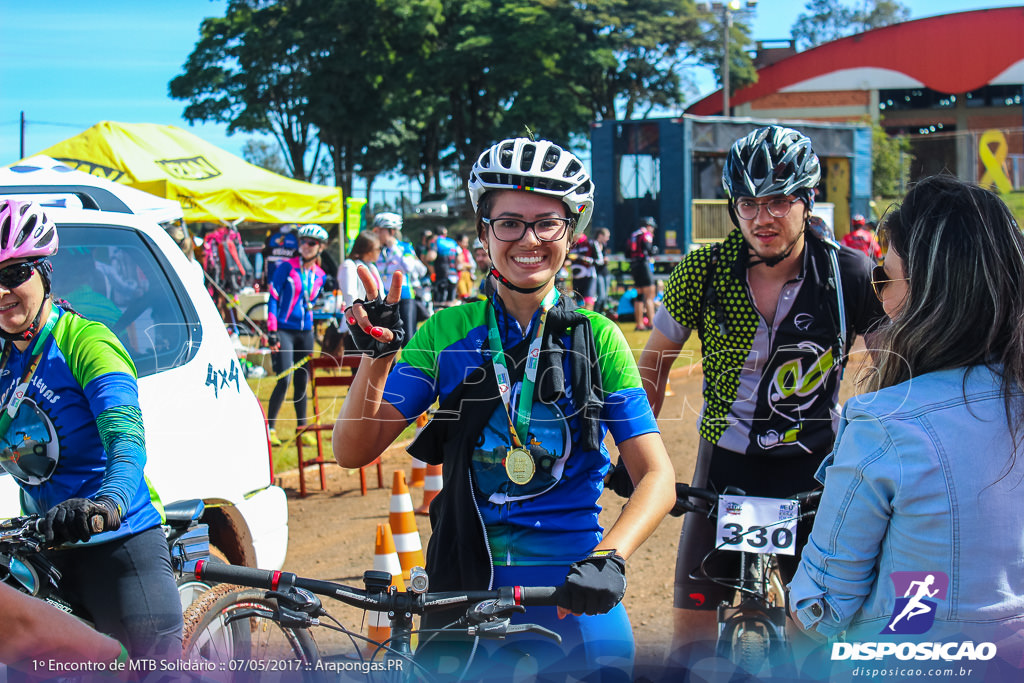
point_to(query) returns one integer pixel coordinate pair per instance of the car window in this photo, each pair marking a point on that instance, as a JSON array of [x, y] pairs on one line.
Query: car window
[[120, 278]]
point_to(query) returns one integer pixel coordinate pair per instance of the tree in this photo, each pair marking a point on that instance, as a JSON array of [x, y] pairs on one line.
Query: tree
[[265, 155], [360, 85], [425, 85], [828, 20], [890, 162], [249, 70]]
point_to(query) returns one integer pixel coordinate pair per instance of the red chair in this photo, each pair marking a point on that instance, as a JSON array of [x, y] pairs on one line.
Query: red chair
[[328, 371]]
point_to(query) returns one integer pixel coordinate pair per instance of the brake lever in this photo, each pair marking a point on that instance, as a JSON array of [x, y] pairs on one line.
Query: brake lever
[[297, 608], [247, 613], [489, 610], [535, 628]]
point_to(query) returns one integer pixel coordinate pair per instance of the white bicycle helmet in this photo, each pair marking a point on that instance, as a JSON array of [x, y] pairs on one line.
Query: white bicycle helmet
[[314, 232], [388, 221], [536, 166]]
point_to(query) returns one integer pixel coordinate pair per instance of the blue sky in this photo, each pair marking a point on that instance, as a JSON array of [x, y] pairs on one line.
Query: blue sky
[[71, 63]]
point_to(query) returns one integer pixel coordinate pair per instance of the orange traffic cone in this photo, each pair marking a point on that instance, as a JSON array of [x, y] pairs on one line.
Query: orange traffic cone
[[668, 388], [403, 525], [431, 487], [419, 472], [385, 558]]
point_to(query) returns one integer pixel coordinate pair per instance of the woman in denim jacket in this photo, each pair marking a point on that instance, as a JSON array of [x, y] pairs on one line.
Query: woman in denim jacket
[[920, 532]]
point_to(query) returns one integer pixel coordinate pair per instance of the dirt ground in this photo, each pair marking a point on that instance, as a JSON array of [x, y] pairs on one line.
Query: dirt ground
[[332, 531]]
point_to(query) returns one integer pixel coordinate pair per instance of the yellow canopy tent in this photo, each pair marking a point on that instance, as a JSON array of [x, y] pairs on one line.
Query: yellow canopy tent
[[210, 184]]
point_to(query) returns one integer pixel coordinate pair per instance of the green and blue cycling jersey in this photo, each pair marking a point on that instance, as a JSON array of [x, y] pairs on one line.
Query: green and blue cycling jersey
[[79, 433], [552, 519]]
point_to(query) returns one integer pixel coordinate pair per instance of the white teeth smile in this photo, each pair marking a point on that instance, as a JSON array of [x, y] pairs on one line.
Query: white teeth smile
[[8, 307], [528, 260]]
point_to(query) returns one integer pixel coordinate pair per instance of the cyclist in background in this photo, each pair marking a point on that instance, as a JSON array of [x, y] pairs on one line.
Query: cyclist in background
[[862, 238], [294, 287], [582, 257], [769, 325], [603, 276], [925, 477], [279, 246], [73, 439], [523, 458], [640, 248], [446, 268], [397, 256]]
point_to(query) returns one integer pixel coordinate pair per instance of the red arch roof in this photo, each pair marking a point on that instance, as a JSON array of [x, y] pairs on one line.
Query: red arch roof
[[951, 53]]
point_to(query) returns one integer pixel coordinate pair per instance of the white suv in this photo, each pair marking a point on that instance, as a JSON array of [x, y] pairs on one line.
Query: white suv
[[206, 436]]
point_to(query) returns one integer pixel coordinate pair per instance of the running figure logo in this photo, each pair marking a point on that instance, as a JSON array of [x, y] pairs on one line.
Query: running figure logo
[[914, 613]]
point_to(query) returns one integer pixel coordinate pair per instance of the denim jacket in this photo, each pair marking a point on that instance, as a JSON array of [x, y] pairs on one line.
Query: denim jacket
[[922, 479]]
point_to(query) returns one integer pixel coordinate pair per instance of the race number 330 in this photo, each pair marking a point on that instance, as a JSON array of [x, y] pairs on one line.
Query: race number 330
[[757, 525]]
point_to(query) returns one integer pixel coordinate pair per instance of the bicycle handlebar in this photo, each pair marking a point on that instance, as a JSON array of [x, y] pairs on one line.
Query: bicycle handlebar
[[379, 601], [684, 492]]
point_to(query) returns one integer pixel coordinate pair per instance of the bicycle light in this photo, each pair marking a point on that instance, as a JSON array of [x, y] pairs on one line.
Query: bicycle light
[[418, 580]]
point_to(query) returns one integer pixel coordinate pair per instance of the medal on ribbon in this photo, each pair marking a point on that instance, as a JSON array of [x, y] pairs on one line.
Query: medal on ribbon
[[519, 466]]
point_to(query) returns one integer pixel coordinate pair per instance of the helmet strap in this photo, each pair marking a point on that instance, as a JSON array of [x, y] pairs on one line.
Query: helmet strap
[[30, 332], [515, 288]]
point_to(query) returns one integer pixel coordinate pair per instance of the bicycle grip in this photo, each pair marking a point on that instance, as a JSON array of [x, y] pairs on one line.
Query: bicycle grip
[[537, 596], [243, 576]]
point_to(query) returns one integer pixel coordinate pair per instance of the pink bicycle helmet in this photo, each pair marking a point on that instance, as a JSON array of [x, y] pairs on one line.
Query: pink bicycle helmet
[[25, 231]]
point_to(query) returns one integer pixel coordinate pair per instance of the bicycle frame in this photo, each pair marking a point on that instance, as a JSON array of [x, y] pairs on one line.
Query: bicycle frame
[[754, 611]]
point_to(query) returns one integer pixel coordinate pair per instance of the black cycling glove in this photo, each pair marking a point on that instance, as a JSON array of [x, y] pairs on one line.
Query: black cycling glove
[[71, 520], [594, 584], [273, 340], [618, 480], [386, 316]]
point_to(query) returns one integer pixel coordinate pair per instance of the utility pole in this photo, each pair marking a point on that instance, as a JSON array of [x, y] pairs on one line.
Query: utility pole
[[727, 9]]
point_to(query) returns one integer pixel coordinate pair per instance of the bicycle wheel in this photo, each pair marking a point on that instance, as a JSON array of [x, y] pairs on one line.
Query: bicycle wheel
[[190, 588], [226, 639], [750, 649]]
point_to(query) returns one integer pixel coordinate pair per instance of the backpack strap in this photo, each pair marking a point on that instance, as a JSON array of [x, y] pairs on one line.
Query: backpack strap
[[709, 295]]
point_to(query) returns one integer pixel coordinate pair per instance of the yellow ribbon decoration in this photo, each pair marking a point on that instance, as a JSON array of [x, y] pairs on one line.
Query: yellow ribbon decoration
[[994, 162]]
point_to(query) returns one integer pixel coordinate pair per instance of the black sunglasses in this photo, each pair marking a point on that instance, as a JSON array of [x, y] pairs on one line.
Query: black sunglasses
[[880, 278], [17, 274], [309, 242]]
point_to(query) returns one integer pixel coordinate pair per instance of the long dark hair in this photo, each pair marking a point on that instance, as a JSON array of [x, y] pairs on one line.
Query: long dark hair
[[364, 243], [963, 253]]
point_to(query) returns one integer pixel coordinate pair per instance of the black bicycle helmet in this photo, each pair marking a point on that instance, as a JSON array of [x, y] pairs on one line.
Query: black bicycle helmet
[[770, 161]]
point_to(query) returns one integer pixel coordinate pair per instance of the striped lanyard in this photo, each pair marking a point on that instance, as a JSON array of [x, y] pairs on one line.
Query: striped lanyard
[[18, 396], [520, 429]]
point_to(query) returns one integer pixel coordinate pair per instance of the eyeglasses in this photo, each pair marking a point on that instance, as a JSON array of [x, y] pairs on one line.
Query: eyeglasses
[[748, 209], [880, 278], [309, 242], [17, 274], [513, 229]]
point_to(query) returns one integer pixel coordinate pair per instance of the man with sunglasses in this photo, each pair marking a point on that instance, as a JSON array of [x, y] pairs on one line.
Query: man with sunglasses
[[775, 324]]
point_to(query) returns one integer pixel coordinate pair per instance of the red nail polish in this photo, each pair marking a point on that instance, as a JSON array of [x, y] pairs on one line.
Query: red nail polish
[[351, 321], [376, 332]]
